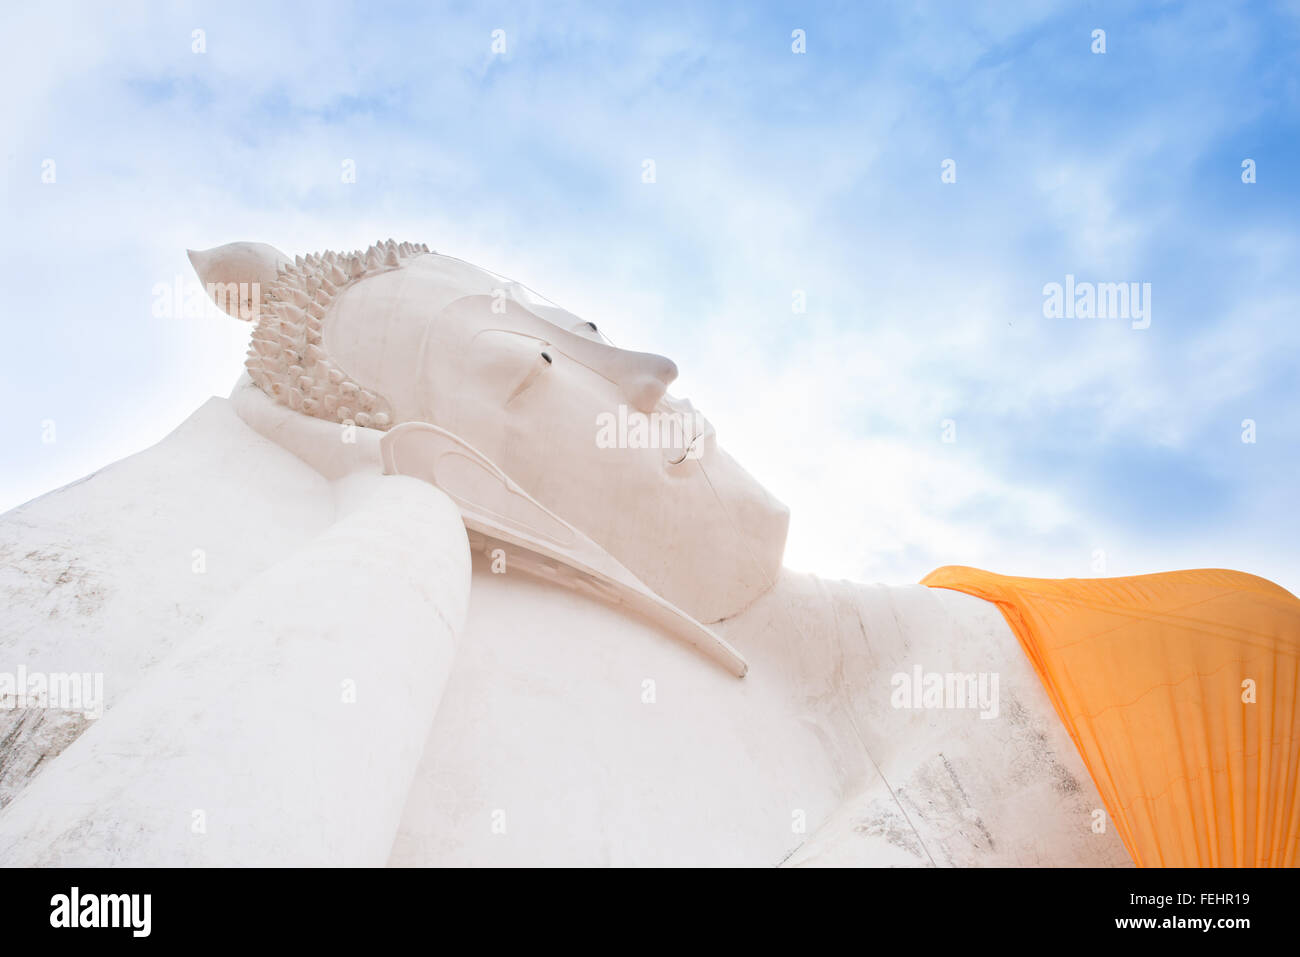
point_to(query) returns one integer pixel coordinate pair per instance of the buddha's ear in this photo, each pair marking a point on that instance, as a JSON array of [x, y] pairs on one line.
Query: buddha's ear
[[236, 274], [498, 512]]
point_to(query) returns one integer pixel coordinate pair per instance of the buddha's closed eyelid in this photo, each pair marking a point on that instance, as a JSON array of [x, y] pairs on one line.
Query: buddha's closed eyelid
[[509, 361], [543, 362], [588, 330]]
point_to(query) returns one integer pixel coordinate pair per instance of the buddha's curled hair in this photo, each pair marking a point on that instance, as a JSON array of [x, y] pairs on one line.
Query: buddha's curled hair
[[286, 358]]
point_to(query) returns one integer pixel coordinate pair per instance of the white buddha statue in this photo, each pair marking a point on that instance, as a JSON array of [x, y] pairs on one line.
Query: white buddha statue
[[399, 600]]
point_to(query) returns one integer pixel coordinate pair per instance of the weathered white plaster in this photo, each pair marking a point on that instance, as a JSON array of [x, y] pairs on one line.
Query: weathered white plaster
[[112, 572], [544, 721], [289, 725]]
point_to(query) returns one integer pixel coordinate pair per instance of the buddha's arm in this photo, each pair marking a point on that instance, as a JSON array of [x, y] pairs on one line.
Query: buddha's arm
[[287, 729], [108, 575]]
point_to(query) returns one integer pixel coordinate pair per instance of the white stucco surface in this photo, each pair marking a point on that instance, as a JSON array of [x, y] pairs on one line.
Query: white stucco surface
[[112, 572], [236, 740], [546, 750]]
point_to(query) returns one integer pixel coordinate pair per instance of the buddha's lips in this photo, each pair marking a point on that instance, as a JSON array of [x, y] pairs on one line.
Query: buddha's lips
[[699, 436]]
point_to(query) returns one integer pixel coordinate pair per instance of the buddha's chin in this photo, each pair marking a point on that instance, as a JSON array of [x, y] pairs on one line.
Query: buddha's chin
[[716, 562], [720, 582]]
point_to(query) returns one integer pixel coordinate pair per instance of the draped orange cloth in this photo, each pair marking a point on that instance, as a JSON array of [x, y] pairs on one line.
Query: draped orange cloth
[[1154, 678]]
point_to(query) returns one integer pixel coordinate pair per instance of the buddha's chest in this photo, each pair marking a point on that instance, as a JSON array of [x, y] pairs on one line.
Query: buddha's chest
[[571, 734]]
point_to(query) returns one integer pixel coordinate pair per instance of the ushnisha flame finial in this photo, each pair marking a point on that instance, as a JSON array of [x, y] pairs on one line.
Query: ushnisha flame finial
[[288, 300]]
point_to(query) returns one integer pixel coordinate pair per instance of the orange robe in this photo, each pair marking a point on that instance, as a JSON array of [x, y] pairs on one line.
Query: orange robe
[[1182, 693]]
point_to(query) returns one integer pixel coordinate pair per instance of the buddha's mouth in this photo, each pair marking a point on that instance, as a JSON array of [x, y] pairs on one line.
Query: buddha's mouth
[[695, 431], [694, 448]]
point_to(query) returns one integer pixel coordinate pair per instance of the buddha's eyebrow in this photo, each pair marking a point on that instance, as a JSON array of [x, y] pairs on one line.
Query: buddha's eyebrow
[[642, 377]]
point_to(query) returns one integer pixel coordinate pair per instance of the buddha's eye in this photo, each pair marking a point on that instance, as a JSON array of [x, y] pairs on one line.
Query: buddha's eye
[[508, 363], [540, 365], [587, 330]]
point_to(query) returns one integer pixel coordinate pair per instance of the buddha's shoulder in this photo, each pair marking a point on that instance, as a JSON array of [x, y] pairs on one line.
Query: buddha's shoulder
[[212, 459], [175, 526]]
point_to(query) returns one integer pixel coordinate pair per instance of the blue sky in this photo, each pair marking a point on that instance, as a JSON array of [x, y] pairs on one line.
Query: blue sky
[[775, 172]]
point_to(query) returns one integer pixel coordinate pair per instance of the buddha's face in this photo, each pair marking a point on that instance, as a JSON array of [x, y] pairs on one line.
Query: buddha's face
[[587, 429]]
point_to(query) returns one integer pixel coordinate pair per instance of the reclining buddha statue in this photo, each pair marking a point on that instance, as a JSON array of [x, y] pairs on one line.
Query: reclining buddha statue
[[450, 579]]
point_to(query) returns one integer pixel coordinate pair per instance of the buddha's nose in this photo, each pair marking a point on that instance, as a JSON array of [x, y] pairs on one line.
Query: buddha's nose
[[641, 377], [646, 379]]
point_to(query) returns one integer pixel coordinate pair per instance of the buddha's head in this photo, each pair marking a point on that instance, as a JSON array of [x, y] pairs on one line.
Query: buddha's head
[[401, 334]]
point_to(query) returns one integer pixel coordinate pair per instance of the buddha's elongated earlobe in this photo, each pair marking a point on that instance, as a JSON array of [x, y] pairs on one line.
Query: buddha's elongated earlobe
[[497, 510]]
